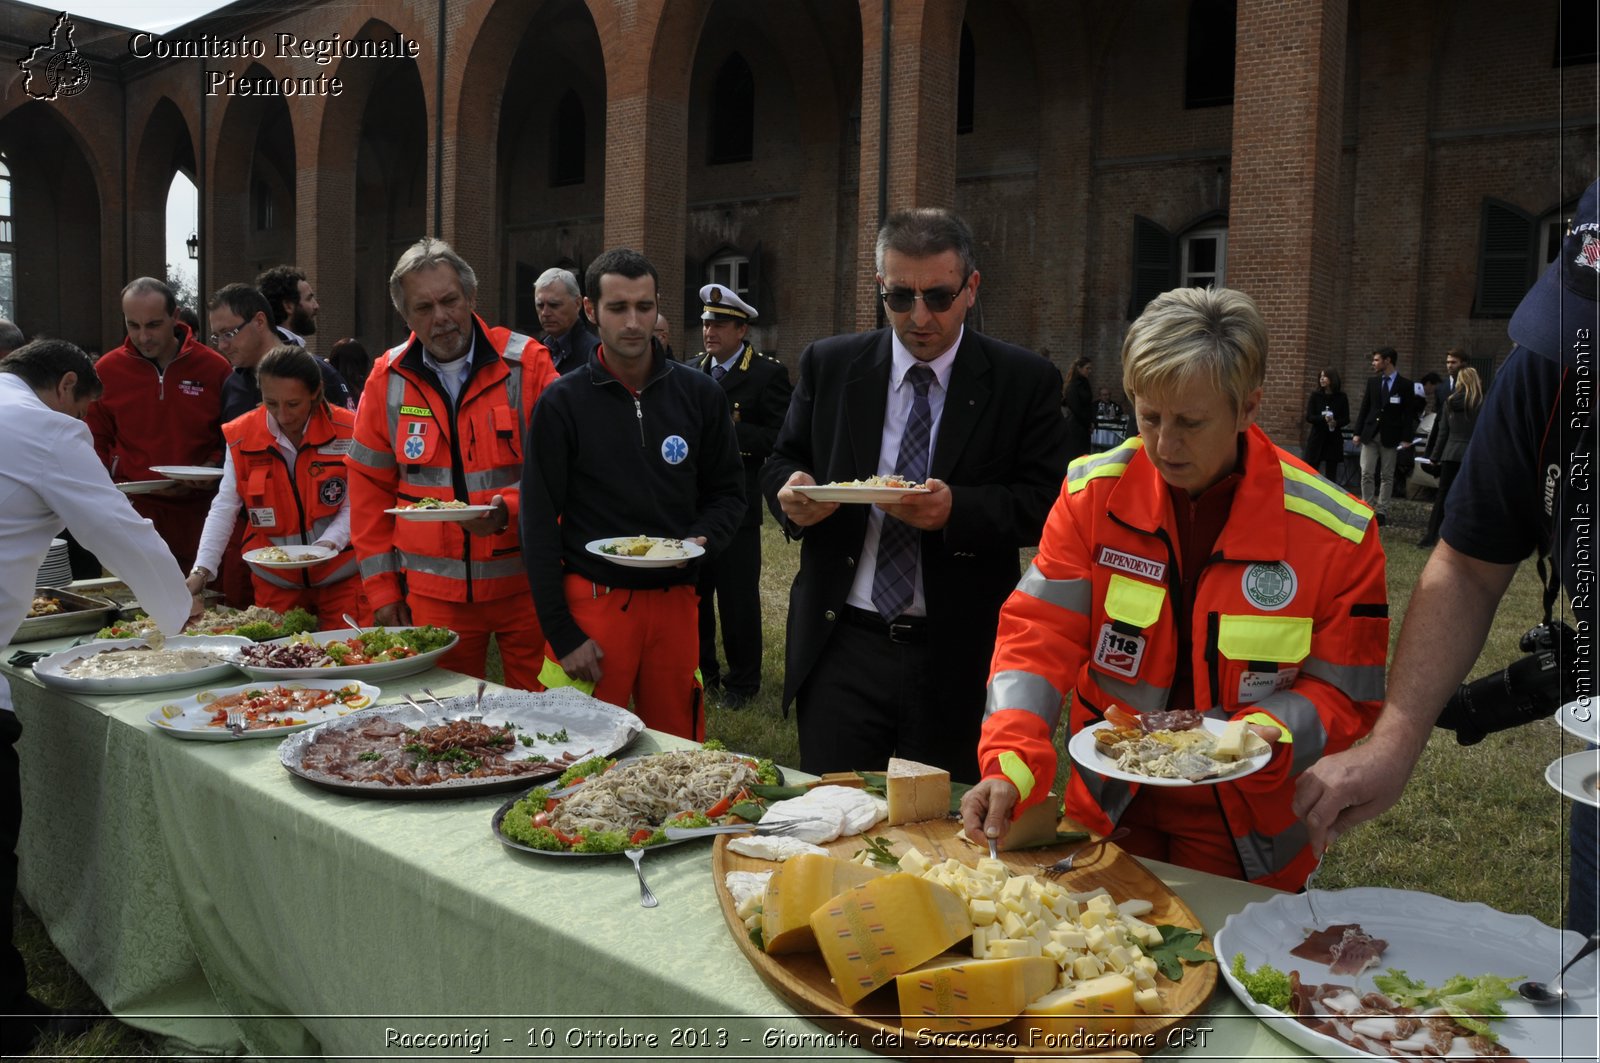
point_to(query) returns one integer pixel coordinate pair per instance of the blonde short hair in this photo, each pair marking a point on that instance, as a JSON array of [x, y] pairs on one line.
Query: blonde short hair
[[1190, 335]]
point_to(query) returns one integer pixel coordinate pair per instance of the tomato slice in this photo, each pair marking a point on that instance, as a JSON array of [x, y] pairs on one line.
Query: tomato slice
[[542, 819], [550, 804], [720, 808], [640, 836]]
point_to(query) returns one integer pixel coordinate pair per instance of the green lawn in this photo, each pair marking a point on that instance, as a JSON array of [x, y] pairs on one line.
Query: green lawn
[[1475, 823]]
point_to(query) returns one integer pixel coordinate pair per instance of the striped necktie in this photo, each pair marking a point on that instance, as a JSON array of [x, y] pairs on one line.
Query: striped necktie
[[899, 544]]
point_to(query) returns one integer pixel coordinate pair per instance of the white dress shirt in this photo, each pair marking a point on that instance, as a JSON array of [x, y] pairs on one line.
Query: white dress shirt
[[52, 479], [224, 512], [896, 411], [452, 374]]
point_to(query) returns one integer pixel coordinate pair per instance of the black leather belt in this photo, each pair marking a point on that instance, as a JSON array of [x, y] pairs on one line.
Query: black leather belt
[[906, 630]]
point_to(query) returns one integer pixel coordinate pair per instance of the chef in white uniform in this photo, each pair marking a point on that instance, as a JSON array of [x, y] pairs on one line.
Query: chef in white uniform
[[50, 479]]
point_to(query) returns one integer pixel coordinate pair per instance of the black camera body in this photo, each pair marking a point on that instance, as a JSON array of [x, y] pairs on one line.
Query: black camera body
[[1525, 690]]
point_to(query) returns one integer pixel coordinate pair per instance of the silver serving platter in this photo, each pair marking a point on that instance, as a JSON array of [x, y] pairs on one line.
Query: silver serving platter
[[50, 671], [79, 614], [591, 725], [367, 673]]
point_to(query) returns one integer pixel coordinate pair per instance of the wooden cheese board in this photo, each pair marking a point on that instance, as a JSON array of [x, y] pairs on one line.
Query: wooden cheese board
[[802, 978]]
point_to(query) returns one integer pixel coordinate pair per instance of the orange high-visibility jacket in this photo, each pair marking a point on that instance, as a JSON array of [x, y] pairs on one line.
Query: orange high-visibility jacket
[[409, 445], [284, 511], [1290, 620]]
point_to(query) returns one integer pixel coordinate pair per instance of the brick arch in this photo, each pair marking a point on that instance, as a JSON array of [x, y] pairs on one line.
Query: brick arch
[[162, 148], [61, 206], [255, 142], [346, 250]]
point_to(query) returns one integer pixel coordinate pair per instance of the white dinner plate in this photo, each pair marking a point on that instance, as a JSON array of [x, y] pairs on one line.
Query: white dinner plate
[[192, 717], [856, 493], [459, 514], [51, 670], [1431, 939], [1577, 775], [1083, 750], [690, 552], [1581, 720], [381, 670], [142, 487], [304, 556], [188, 472]]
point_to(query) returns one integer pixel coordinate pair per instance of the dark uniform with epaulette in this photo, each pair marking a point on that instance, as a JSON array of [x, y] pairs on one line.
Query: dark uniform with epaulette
[[758, 389]]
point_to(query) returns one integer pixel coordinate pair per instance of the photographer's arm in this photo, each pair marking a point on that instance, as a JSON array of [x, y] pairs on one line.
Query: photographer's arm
[[1445, 626]]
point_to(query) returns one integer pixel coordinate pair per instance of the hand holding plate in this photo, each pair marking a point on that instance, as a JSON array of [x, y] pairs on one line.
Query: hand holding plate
[[800, 510], [490, 523], [927, 511]]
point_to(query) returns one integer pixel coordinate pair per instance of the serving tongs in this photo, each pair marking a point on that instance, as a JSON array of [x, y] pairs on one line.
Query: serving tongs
[[781, 829]]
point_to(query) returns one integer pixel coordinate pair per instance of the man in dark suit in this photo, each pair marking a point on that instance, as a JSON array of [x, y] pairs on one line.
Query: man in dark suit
[[1382, 427], [559, 303], [758, 392], [892, 616]]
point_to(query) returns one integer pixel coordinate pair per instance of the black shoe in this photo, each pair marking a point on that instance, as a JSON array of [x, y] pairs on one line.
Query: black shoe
[[1383, 518], [1427, 544], [733, 700]]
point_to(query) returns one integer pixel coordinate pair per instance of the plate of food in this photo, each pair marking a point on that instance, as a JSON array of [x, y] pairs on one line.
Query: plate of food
[[142, 487], [125, 666], [435, 509], [257, 623], [55, 613], [1577, 775], [879, 489], [286, 557], [909, 937], [1211, 751], [1422, 953], [645, 551], [625, 804], [1581, 719], [265, 710], [198, 474], [439, 750], [370, 653]]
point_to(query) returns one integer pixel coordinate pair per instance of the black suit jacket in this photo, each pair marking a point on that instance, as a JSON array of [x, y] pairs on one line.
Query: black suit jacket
[[572, 350], [1002, 449], [758, 391], [1383, 421]]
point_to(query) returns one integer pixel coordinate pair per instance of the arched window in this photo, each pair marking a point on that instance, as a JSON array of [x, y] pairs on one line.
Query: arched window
[[966, 78], [568, 141], [733, 113], [1203, 257], [8, 249]]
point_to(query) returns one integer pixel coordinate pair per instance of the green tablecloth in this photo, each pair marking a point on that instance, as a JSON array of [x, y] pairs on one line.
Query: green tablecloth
[[209, 896]]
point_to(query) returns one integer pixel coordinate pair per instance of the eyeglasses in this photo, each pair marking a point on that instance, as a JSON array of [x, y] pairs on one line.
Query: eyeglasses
[[937, 300], [227, 335]]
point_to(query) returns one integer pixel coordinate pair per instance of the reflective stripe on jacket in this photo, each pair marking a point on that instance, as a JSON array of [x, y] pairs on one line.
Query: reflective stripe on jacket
[[411, 444], [284, 510], [1290, 620]]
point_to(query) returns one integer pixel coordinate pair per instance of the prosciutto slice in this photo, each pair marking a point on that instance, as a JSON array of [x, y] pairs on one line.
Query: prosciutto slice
[[1343, 948], [1376, 1024]]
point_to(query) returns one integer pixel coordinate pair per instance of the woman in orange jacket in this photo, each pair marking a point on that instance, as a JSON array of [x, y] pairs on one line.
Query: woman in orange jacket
[[1196, 567], [284, 466]]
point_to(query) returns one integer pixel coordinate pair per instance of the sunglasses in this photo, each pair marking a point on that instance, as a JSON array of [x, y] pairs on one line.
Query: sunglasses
[[937, 300]]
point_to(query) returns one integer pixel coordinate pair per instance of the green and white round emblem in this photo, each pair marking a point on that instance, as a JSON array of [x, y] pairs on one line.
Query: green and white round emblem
[[1270, 585]]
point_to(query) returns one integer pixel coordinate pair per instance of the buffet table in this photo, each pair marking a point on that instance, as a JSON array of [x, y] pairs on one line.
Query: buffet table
[[210, 897]]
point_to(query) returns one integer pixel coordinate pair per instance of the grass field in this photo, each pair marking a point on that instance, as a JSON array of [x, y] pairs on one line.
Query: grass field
[[1476, 823]]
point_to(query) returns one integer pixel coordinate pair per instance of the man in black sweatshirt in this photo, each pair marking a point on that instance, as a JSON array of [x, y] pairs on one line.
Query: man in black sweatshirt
[[631, 443]]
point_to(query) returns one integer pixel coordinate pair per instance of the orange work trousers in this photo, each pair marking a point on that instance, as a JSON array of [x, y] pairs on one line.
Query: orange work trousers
[[512, 622], [651, 642], [1181, 826], [328, 604]]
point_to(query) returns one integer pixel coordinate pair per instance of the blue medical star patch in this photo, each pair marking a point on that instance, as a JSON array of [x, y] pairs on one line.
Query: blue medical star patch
[[674, 449]]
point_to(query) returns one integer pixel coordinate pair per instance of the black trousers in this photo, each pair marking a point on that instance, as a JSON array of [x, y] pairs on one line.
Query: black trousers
[[734, 580], [1447, 476], [13, 973], [869, 698]]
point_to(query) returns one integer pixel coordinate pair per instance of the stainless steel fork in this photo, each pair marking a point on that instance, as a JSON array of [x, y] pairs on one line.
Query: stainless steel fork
[[236, 724], [781, 829], [647, 899], [1062, 866]]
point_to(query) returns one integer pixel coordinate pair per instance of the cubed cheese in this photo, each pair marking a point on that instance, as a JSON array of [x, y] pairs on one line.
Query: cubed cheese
[[983, 912], [913, 862], [1149, 1001]]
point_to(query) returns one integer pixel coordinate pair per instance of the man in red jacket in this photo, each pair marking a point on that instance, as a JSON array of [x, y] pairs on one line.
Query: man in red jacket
[[162, 406]]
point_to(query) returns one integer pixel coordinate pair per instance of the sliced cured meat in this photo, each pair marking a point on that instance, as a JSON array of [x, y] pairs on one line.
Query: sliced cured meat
[[1375, 1024], [1343, 948]]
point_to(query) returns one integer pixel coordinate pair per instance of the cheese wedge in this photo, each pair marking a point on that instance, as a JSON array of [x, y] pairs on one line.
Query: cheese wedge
[[798, 888], [886, 926], [916, 791], [963, 994], [1102, 1005]]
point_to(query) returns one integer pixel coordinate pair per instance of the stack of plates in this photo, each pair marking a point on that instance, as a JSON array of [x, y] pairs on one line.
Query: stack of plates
[[57, 568]]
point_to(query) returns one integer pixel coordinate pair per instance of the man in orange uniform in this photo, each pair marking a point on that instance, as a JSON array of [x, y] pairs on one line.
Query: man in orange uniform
[[442, 417], [1195, 567]]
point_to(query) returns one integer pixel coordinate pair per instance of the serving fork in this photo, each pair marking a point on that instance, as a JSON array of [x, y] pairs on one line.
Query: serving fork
[[236, 724], [1062, 866], [782, 829]]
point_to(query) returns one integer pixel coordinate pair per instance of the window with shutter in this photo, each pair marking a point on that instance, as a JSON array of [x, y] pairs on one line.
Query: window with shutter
[[1154, 263], [1505, 259]]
